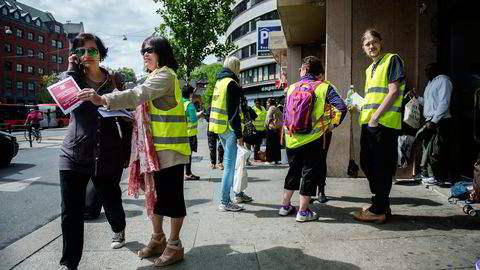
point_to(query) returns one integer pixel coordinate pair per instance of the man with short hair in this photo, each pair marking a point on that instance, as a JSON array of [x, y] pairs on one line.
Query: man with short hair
[[381, 122], [305, 151], [191, 116], [436, 110]]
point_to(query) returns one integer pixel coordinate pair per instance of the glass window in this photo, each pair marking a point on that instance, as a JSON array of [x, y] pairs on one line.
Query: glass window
[[277, 74], [30, 69], [15, 15], [57, 29], [40, 71], [19, 67], [59, 44], [271, 71], [60, 60], [54, 58], [265, 73], [27, 19], [4, 11], [40, 55], [250, 76], [30, 36], [38, 23], [245, 51], [30, 53], [8, 66], [253, 49], [255, 75], [260, 74], [8, 47], [20, 85], [41, 39], [19, 33], [31, 86], [8, 84], [54, 43], [19, 50]]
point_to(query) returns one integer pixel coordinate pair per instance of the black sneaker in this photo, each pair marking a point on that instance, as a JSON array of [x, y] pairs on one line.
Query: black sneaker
[[118, 240]]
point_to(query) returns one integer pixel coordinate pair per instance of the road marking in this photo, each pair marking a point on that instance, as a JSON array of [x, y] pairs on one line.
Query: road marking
[[18, 185]]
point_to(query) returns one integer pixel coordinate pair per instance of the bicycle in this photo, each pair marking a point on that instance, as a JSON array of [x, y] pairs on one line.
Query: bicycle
[[36, 135]]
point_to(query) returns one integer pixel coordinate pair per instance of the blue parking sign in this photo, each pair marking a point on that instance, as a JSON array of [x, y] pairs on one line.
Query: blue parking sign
[[263, 29]]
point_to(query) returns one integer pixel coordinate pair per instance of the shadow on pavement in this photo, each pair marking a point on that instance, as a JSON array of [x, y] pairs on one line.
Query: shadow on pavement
[[393, 200], [250, 180], [190, 203], [14, 168], [226, 257], [102, 218]]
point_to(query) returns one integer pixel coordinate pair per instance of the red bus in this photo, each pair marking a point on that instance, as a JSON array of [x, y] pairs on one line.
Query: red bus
[[53, 116], [16, 114], [13, 114]]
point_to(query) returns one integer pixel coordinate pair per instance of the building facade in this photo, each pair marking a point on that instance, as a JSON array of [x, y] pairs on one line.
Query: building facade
[[259, 74], [34, 44]]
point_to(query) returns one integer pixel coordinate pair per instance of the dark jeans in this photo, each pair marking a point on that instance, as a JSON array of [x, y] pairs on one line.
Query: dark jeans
[[212, 146], [438, 168], [305, 162], [378, 160], [256, 148], [73, 188], [273, 146], [323, 170]]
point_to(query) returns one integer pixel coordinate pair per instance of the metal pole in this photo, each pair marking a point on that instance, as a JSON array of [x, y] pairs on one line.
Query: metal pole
[[30, 135]]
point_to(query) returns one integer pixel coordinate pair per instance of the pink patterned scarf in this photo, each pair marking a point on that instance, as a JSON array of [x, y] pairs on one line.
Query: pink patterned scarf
[[143, 160]]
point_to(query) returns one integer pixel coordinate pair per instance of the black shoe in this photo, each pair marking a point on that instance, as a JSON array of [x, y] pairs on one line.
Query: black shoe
[[322, 198]]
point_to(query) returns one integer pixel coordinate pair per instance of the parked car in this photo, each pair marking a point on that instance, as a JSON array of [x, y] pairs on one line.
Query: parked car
[[8, 148]]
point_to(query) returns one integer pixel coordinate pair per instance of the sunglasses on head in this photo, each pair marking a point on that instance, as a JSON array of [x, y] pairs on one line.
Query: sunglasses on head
[[148, 50], [79, 52]]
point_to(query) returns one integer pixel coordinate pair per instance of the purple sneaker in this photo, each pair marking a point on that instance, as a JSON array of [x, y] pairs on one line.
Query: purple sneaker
[[285, 210], [307, 215]]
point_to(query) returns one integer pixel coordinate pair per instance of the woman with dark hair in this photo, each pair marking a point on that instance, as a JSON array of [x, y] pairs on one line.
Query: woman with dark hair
[[92, 149], [160, 145], [272, 123]]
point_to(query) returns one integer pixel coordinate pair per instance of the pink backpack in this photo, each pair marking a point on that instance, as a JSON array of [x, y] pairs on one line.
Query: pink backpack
[[297, 114]]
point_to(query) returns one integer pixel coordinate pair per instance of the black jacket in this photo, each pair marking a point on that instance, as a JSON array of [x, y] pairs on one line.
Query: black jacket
[[93, 144], [233, 100]]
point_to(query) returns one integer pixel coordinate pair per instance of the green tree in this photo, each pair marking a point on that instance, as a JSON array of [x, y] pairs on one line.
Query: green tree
[[128, 74], [193, 28], [207, 72], [43, 96]]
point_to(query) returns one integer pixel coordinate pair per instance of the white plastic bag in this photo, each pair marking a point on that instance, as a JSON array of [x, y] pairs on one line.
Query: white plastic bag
[[240, 181], [412, 113]]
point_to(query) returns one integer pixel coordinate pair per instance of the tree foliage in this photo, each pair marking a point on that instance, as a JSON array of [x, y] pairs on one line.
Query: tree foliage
[[207, 72], [193, 28], [128, 74], [43, 96]]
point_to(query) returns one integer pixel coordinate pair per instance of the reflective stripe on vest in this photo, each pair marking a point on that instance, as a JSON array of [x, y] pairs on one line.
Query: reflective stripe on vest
[[260, 120], [169, 128], [191, 126], [376, 90], [320, 122], [218, 122]]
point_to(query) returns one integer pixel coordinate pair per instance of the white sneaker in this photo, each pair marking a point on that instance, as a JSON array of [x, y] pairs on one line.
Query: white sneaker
[[118, 240], [232, 207], [307, 215], [285, 210], [242, 199]]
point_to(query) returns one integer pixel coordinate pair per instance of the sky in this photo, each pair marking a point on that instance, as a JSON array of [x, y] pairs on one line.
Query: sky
[[110, 20]]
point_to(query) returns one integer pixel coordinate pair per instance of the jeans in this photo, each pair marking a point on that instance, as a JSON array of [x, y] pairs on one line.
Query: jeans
[[229, 142], [73, 187]]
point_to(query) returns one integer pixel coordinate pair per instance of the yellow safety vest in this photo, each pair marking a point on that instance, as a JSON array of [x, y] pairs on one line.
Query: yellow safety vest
[[218, 122], [169, 128], [320, 121], [191, 126], [259, 122], [376, 90]]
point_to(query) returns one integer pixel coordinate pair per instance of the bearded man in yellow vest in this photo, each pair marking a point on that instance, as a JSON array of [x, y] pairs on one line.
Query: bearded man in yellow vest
[[225, 121], [191, 116], [381, 122], [305, 151]]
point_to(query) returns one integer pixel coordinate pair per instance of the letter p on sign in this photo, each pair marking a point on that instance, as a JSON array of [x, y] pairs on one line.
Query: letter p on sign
[[263, 37]]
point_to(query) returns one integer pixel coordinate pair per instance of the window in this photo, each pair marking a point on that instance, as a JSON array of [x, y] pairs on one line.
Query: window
[[31, 86], [41, 39], [260, 74], [59, 44], [15, 15], [271, 71], [254, 75], [40, 71], [19, 33], [30, 53], [251, 25], [40, 55], [253, 49], [19, 68], [277, 74], [4, 11], [54, 43], [8, 66], [265, 73], [38, 23], [54, 58], [245, 51], [8, 84], [60, 60], [30, 36], [27, 19], [30, 70], [19, 50], [8, 48], [20, 85], [57, 29]]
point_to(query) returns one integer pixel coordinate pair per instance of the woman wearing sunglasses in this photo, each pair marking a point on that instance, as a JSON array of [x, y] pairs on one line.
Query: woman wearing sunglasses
[[160, 141], [92, 149]]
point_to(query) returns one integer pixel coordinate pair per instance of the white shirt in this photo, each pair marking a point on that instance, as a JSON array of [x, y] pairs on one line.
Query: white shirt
[[436, 99]]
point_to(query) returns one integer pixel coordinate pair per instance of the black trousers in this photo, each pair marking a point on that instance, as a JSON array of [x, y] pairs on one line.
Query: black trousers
[[212, 146], [305, 163], [169, 188], [73, 188], [323, 170], [273, 146], [439, 168], [378, 160]]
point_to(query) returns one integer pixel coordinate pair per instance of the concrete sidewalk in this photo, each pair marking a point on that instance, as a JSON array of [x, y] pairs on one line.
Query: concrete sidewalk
[[426, 232]]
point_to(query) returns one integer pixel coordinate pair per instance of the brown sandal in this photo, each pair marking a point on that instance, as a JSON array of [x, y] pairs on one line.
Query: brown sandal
[[156, 246], [177, 256]]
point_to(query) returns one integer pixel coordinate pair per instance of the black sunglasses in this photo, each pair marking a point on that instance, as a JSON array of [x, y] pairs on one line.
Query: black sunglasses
[[148, 50]]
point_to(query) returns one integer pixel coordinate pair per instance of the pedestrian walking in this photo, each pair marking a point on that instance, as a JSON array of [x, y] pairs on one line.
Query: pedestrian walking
[[161, 143], [306, 121], [191, 114], [381, 122], [226, 122], [273, 123], [92, 149]]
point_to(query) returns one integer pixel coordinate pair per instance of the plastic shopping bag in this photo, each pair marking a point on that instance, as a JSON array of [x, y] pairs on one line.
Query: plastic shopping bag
[[405, 143], [412, 113], [240, 181]]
